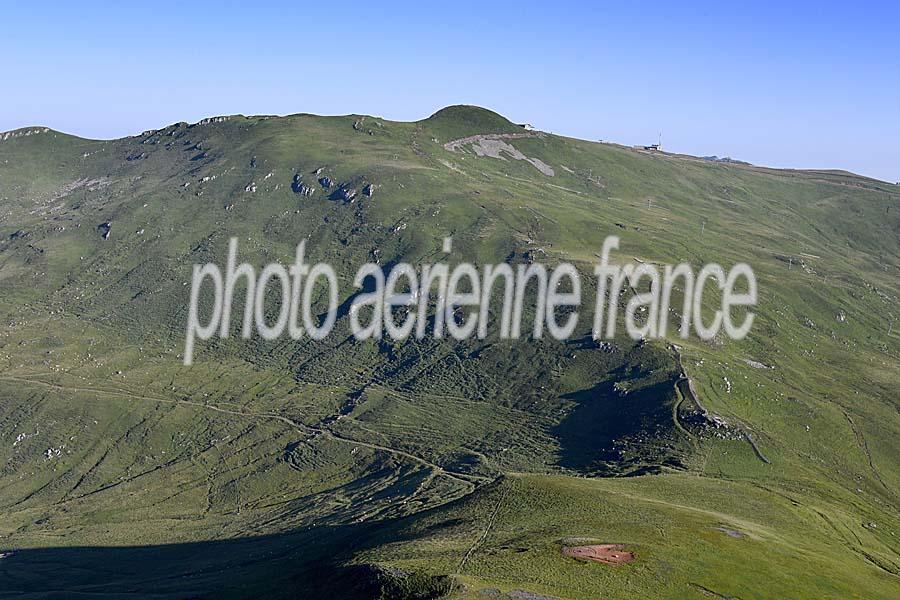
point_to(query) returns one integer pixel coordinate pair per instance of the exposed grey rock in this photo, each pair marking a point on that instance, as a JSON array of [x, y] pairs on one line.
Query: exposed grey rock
[[756, 364], [209, 120], [8, 135], [347, 194], [299, 188], [730, 532], [526, 595], [494, 146]]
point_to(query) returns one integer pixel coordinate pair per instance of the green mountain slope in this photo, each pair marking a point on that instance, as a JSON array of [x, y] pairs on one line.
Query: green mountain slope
[[338, 467]]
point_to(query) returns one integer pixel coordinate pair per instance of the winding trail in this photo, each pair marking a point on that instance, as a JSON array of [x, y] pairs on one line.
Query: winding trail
[[480, 540], [468, 480], [864, 446]]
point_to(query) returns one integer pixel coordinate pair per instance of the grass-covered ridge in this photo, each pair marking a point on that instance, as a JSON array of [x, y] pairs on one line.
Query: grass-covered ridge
[[459, 121], [432, 464]]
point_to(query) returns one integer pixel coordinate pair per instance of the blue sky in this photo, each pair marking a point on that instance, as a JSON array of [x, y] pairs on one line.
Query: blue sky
[[815, 84]]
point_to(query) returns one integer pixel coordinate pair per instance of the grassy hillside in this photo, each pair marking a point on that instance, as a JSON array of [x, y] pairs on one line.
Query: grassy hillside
[[307, 469]]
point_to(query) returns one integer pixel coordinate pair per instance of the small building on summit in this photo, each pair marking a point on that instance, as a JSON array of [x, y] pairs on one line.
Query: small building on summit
[[657, 147]]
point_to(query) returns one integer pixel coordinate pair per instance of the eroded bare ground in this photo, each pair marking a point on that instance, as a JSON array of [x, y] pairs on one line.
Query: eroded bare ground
[[608, 554], [493, 146]]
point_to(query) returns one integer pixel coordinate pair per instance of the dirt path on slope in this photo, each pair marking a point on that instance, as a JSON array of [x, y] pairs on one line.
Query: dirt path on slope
[[468, 480]]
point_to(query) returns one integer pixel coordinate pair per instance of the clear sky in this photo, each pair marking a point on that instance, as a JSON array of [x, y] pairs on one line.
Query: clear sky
[[814, 84]]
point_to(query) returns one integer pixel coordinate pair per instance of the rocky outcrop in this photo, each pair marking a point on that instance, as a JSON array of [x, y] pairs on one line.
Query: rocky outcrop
[[209, 120], [299, 187], [18, 133], [346, 194]]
